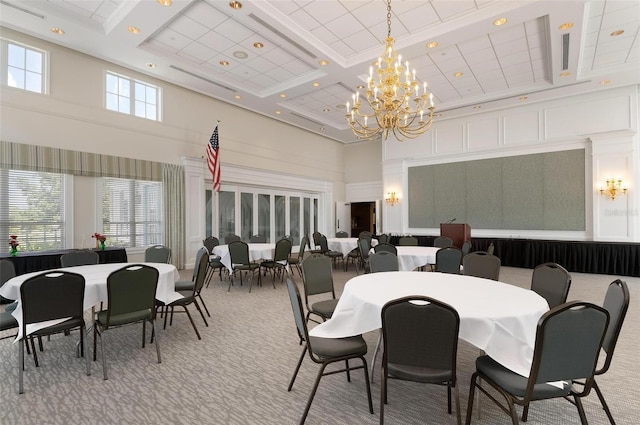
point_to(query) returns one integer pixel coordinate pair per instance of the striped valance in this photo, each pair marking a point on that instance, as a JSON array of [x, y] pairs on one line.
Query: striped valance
[[18, 156]]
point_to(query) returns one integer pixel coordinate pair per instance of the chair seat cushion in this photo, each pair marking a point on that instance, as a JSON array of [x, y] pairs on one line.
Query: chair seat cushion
[[418, 374], [123, 319], [184, 285], [337, 347], [514, 383], [11, 307], [7, 321], [324, 308], [67, 324], [333, 254]]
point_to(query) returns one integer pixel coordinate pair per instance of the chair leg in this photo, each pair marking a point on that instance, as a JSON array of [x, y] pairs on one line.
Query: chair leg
[[195, 302], [144, 332], [21, 366], [457, 395], [295, 373], [472, 389], [603, 402], [525, 413], [191, 320], [153, 331], [85, 348], [383, 392], [375, 354], [204, 305], [366, 380], [583, 417], [35, 353], [313, 393]]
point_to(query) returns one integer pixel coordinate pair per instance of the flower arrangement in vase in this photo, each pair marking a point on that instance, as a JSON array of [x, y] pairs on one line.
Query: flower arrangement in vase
[[13, 243], [100, 239]]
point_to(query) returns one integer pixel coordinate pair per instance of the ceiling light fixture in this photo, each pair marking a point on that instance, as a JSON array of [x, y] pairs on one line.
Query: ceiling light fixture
[[151, 65], [57, 30], [324, 62], [235, 5], [278, 112], [240, 54], [458, 74], [617, 33], [499, 22], [432, 45], [134, 30], [282, 95], [605, 82], [224, 63], [315, 84], [326, 110], [165, 2], [523, 98], [565, 74], [396, 106], [566, 26], [236, 96], [258, 45]]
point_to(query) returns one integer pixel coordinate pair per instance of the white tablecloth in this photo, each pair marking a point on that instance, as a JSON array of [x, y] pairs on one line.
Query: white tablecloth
[[95, 290], [412, 257], [496, 317], [257, 251], [345, 245]]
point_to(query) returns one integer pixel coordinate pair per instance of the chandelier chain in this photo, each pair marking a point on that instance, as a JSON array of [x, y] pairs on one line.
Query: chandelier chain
[[388, 18]]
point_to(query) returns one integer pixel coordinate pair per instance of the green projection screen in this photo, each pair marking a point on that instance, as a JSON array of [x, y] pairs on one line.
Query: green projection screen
[[527, 192]]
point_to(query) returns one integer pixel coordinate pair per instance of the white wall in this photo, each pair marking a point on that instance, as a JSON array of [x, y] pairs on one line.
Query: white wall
[[605, 123], [73, 116]]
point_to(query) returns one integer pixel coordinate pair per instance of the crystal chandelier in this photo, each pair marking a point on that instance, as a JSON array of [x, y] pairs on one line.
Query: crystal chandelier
[[396, 101]]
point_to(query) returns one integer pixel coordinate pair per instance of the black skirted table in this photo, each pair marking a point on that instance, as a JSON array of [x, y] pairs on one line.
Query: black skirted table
[[612, 258], [26, 262]]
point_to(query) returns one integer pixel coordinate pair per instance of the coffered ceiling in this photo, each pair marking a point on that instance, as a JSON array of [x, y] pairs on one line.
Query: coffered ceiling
[[300, 61]]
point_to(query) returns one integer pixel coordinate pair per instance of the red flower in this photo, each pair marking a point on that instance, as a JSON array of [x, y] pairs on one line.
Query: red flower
[[99, 237], [13, 241]]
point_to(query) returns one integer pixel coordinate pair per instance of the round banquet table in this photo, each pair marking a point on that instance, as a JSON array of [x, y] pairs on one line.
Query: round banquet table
[[257, 251], [412, 257], [95, 290], [497, 317], [345, 245]]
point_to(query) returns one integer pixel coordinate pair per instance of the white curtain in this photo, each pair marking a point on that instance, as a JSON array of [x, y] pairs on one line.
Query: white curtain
[[173, 201]]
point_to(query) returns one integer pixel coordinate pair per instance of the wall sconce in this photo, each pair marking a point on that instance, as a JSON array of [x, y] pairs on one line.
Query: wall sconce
[[613, 188], [391, 198]]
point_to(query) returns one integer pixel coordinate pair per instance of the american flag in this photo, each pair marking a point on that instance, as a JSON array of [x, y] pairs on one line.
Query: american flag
[[213, 159]]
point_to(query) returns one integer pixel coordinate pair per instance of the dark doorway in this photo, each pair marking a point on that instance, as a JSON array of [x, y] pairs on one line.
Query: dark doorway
[[363, 218]]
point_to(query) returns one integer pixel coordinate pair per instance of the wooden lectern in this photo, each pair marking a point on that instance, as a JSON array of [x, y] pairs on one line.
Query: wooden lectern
[[458, 232]]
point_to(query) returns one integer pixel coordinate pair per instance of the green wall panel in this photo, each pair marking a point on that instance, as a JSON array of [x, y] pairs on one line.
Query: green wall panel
[[527, 192]]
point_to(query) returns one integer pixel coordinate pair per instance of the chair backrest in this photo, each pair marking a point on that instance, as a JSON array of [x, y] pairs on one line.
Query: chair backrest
[[421, 331], [298, 312], [50, 296], [131, 289], [303, 245], [490, 249], [282, 251], [202, 252], [157, 254], [408, 241], [258, 239], [239, 253], [383, 238], [316, 238], [442, 242], [210, 243], [383, 261], [201, 273], [616, 302], [448, 260], [366, 235], [342, 234], [466, 248], [79, 258], [7, 271], [383, 246], [551, 281], [568, 341], [324, 246], [231, 237], [481, 264], [364, 246], [317, 276]]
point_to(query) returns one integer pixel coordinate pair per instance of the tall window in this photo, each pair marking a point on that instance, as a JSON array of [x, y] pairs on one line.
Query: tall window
[[132, 212], [134, 97], [23, 67], [32, 207]]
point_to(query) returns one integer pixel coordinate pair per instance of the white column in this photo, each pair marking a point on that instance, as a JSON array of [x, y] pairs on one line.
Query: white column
[[194, 178]]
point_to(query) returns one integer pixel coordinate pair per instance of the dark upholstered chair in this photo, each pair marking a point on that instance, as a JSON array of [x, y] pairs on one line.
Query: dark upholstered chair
[[214, 261], [551, 281], [258, 239], [79, 258], [448, 260], [189, 297], [131, 292], [240, 262], [383, 246], [442, 242], [408, 241], [325, 351], [342, 234], [420, 337], [334, 255], [157, 254], [280, 262], [187, 285], [231, 237], [318, 279], [52, 296], [383, 261], [568, 342], [481, 264], [296, 259]]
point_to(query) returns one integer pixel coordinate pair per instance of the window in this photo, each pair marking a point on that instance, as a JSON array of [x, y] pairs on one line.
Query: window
[[24, 67], [134, 97], [33, 209], [132, 212]]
